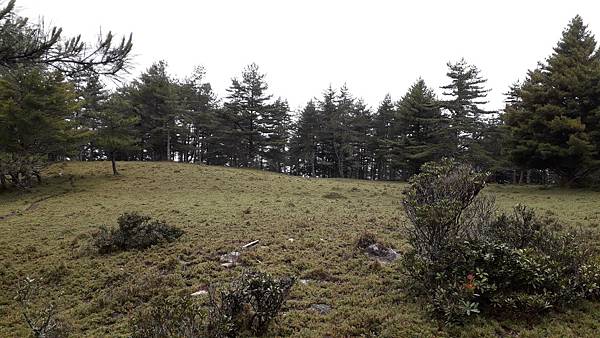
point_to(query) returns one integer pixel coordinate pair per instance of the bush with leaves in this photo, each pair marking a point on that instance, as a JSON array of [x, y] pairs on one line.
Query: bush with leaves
[[171, 318], [466, 259], [244, 308], [248, 306], [134, 231]]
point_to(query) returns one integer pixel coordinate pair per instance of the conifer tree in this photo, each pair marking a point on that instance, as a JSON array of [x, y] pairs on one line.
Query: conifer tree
[[386, 145], [554, 116], [247, 103], [153, 98], [423, 128], [113, 132], [275, 127], [465, 94], [35, 107], [305, 141]]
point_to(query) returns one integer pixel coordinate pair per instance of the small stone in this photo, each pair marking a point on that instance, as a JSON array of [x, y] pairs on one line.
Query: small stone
[[231, 257], [322, 309], [381, 253], [291, 239], [303, 281], [200, 293], [228, 265]]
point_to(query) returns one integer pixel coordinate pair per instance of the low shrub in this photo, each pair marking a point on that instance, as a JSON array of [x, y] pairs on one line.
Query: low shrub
[[244, 308], [39, 311], [479, 262], [170, 318], [365, 239], [134, 231], [248, 306]]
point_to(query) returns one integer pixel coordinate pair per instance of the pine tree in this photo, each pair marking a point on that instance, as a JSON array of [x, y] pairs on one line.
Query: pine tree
[[466, 93], [361, 132], [423, 128], [153, 98], [27, 44], [35, 107], [304, 142], [386, 145], [554, 116], [247, 103], [275, 128], [113, 131]]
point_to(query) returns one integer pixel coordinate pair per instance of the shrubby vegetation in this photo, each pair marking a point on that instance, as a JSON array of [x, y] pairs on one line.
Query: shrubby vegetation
[[246, 307], [38, 310], [466, 259], [134, 232]]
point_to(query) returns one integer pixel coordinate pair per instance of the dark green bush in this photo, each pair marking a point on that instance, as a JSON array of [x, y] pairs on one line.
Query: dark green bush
[[170, 318], [244, 308], [134, 231], [248, 306], [480, 262]]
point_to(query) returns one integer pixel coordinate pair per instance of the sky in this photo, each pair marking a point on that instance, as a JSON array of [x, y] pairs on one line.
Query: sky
[[375, 47]]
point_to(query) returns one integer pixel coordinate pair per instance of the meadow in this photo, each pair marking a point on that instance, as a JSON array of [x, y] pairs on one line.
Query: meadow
[[306, 227]]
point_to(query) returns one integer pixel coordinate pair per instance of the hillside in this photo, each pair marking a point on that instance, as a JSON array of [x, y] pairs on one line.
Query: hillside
[[306, 227]]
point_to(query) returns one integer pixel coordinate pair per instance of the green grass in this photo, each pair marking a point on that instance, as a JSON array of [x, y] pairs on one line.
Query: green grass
[[221, 209]]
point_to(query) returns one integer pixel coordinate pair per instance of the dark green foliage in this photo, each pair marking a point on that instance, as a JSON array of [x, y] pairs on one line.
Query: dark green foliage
[[27, 44], [304, 142], [134, 231], [170, 318], [248, 306], [470, 125], [489, 264], [423, 128], [554, 115], [34, 109], [434, 203]]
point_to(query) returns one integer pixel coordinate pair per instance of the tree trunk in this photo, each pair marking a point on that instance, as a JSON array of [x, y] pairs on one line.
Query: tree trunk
[[168, 145], [521, 178], [114, 164]]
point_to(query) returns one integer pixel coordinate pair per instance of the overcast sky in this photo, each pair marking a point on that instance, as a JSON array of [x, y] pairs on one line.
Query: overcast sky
[[375, 47]]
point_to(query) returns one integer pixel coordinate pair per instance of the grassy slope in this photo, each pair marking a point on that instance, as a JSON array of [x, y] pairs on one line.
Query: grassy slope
[[221, 209]]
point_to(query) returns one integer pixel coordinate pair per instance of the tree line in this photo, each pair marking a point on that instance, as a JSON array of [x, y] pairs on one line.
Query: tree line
[[54, 105]]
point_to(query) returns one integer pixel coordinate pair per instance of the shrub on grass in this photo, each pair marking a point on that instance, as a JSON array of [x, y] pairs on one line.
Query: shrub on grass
[[248, 306], [245, 308], [38, 311], [170, 318], [134, 231], [468, 260]]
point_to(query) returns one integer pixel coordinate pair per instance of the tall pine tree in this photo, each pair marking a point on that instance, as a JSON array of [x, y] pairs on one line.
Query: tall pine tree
[[554, 116]]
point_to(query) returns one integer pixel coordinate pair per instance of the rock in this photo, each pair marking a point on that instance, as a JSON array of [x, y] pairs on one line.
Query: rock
[[228, 265], [231, 257], [381, 253], [291, 239], [200, 293], [322, 309], [303, 281]]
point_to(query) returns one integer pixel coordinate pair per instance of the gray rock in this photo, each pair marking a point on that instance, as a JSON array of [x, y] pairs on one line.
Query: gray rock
[[231, 257], [382, 253], [322, 309]]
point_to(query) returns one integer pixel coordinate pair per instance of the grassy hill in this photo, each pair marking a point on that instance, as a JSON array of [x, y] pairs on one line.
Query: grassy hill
[[306, 227]]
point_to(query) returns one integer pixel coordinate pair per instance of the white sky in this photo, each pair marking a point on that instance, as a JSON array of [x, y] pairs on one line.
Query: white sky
[[375, 47]]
